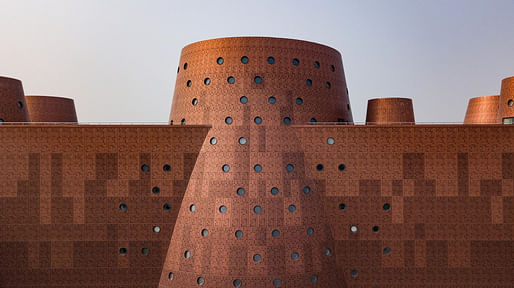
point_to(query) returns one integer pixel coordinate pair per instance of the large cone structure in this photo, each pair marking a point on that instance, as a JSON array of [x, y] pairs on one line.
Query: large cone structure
[[482, 110], [12, 101], [251, 216], [506, 102], [51, 109]]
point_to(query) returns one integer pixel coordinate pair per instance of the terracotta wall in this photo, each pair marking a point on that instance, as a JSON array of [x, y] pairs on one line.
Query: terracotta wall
[[506, 101], [51, 109], [390, 111], [12, 101]]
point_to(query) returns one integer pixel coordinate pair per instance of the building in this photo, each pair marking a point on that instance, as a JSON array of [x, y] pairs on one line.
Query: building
[[262, 180]]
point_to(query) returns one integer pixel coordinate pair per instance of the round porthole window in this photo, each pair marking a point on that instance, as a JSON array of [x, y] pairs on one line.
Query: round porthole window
[[277, 282], [257, 258], [271, 60], [145, 251], [200, 281], [316, 64], [20, 104], [333, 68], [275, 233], [123, 251], [213, 141], [510, 103], [296, 62], [386, 207], [341, 167], [123, 207], [319, 167], [257, 120], [231, 80], [299, 101], [183, 122], [310, 231], [287, 121], [225, 168], [240, 191], [192, 208], [257, 209], [166, 207], [237, 283], [156, 229], [354, 229], [387, 251], [185, 66], [375, 229], [244, 60], [331, 141], [242, 140], [156, 190], [187, 254], [239, 234], [207, 81], [328, 252], [295, 256], [306, 190], [145, 168], [291, 208], [313, 120], [342, 206], [257, 168], [272, 100], [257, 79], [355, 273], [170, 276], [314, 278], [309, 82], [189, 83], [228, 120], [243, 100], [328, 85], [219, 60], [274, 191], [205, 232], [289, 167], [223, 209], [166, 168]]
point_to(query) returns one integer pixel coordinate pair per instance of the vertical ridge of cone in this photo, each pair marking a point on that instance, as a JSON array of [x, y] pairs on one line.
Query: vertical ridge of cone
[[12, 101], [506, 102], [51, 109], [482, 110], [252, 214]]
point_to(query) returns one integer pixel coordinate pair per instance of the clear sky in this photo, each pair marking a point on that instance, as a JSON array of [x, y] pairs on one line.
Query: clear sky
[[118, 58]]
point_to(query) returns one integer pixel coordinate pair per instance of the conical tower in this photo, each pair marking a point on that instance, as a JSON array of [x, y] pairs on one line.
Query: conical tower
[[251, 215], [12, 101]]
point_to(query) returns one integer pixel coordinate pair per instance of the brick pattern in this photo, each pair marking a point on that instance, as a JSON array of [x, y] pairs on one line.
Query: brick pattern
[[506, 101], [482, 110], [61, 188], [451, 216], [12, 101], [390, 111], [51, 109]]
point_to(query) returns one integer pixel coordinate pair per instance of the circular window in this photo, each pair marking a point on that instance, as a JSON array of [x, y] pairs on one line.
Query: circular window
[[240, 191], [299, 101], [313, 120], [185, 66], [239, 234], [333, 68], [183, 122], [342, 206], [314, 278], [156, 190], [331, 141], [295, 256], [387, 250], [319, 167], [328, 85], [274, 191], [257, 120], [123, 207], [192, 208], [228, 120], [242, 140], [316, 64], [123, 251], [275, 233], [213, 141], [277, 282], [271, 60], [231, 80], [287, 120], [354, 229], [328, 252], [145, 168], [170, 276], [310, 231], [306, 190], [156, 229], [289, 167], [166, 207], [257, 258], [225, 168], [244, 60], [200, 281], [257, 209], [341, 167], [1, 120], [187, 254], [296, 62], [272, 100], [375, 229], [207, 81], [309, 82], [510, 103], [194, 102], [243, 99], [355, 273], [257, 168], [292, 208], [223, 209], [257, 79], [20, 105], [237, 283], [189, 83], [166, 168], [386, 206], [205, 232], [145, 251], [219, 60]]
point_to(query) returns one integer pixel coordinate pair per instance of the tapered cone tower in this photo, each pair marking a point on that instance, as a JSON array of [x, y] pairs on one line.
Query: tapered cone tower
[[12, 101], [506, 102], [251, 216], [482, 110], [51, 109], [391, 110]]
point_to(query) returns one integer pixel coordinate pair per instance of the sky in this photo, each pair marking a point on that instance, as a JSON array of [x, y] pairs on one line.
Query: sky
[[118, 58]]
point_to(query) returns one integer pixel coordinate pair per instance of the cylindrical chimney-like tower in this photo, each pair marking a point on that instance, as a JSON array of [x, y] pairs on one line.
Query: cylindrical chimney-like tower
[[390, 111], [51, 109], [252, 214], [12, 101], [482, 110], [506, 102]]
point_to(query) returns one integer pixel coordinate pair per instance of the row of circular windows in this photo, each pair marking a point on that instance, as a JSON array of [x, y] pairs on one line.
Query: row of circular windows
[[238, 282], [258, 120], [289, 167], [256, 80], [270, 60]]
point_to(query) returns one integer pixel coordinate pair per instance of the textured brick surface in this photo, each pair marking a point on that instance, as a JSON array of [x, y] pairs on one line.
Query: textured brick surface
[[61, 188], [506, 101], [451, 216], [12, 101], [482, 110], [390, 111], [51, 109]]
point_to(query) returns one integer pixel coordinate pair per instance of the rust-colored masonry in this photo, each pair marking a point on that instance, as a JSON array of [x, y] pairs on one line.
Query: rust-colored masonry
[[249, 188]]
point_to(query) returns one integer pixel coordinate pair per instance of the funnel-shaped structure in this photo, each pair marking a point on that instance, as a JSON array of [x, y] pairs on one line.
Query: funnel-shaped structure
[[252, 216], [482, 110], [506, 102], [390, 111], [51, 109], [12, 101]]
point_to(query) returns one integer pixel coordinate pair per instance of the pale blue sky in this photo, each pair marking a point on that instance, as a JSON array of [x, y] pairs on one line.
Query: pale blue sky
[[118, 58]]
